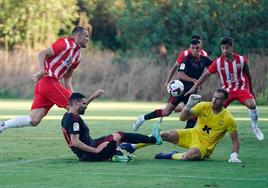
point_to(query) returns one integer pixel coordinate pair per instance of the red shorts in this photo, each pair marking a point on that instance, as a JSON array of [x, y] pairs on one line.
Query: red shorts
[[240, 95], [49, 91]]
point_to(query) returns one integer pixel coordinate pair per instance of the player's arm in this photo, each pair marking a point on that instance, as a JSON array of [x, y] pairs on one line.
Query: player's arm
[[187, 112], [247, 72], [80, 145], [171, 73], [184, 77], [67, 79], [42, 56], [235, 148], [200, 81], [95, 95]]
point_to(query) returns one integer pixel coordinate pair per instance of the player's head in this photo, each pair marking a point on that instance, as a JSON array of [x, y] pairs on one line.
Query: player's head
[[78, 103], [197, 37], [219, 98], [227, 46], [81, 36], [195, 47]]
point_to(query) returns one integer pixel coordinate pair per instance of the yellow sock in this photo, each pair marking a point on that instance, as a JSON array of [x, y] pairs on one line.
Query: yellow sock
[[178, 156], [141, 145]]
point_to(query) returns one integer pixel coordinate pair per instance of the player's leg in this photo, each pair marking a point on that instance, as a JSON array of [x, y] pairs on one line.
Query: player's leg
[[39, 109], [154, 114], [248, 100], [171, 105], [254, 115]]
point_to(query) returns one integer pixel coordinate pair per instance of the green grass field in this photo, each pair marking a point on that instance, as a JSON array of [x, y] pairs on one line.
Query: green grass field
[[39, 157]]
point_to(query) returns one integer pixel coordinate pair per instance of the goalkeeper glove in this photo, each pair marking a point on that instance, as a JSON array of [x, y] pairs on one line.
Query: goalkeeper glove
[[193, 100], [234, 158]]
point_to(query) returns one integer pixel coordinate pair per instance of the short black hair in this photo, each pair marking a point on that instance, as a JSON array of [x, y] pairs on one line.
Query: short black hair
[[75, 97], [195, 41], [227, 40], [225, 93], [196, 37], [78, 29]]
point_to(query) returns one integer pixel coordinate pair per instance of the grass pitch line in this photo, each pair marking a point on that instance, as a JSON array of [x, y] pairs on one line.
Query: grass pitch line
[[116, 118]]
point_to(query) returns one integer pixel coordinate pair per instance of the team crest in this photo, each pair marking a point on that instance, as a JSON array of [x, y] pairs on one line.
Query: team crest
[[76, 126]]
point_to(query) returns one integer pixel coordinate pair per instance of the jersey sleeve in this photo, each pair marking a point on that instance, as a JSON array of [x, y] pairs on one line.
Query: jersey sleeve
[[72, 125], [180, 58], [197, 109], [208, 61], [231, 124], [58, 46], [213, 67]]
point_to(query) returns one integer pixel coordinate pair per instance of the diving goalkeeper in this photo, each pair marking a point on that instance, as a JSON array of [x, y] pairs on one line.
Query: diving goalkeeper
[[213, 122]]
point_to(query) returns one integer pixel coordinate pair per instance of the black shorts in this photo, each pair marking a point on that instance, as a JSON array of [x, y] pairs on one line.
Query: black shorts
[[177, 100], [107, 153]]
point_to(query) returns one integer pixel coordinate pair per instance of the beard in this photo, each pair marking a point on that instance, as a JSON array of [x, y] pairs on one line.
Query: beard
[[81, 111]]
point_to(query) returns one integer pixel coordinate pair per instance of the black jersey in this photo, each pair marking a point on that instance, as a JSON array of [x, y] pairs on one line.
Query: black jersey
[[193, 68], [73, 124]]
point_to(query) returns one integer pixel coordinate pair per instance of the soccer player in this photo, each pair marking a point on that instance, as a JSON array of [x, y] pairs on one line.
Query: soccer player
[[212, 124], [56, 63], [190, 68], [77, 135], [235, 77]]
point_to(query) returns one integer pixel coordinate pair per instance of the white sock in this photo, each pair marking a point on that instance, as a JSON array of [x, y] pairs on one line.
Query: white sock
[[18, 122], [253, 115]]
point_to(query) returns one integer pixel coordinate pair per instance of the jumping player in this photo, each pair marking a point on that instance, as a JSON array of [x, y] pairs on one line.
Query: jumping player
[[55, 63]]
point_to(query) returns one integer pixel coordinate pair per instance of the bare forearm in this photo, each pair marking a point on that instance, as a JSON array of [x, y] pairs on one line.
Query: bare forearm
[[171, 73], [185, 115], [184, 77], [235, 146]]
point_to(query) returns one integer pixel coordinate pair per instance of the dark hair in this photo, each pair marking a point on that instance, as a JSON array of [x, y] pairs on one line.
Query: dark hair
[[196, 37], [225, 93], [227, 40], [76, 97], [195, 41], [78, 29]]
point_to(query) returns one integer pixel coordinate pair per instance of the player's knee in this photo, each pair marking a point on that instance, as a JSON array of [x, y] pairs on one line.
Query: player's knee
[[193, 156]]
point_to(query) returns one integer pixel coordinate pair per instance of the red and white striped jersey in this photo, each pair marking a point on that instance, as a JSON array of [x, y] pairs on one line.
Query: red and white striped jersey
[[231, 74], [66, 55], [186, 52]]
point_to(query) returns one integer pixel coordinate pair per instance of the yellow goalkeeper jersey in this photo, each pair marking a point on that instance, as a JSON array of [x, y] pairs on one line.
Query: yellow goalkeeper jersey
[[211, 127]]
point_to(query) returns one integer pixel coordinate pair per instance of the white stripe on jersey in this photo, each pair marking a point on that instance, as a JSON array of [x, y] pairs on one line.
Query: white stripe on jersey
[[219, 71], [235, 75], [55, 60], [227, 73], [185, 53], [241, 72]]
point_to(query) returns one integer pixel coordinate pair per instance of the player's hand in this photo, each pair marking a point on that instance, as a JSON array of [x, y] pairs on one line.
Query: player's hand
[[191, 91], [37, 76], [234, 158], [192, 101], [101, 146]]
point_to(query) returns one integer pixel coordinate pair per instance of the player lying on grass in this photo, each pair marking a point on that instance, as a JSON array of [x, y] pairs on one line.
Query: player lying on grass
[[77, 134], [212, 124]]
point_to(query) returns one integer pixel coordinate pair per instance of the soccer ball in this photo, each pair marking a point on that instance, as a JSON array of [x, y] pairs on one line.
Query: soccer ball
[[175, 88]]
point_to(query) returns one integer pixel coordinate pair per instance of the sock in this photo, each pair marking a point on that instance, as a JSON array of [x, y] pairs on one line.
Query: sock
[[253, 115], [18, 122], [178, 156], [137, 138], [140, 145], [190, 123], [154, 114]]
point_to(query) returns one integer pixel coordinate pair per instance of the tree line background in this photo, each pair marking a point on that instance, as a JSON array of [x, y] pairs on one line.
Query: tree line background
[[134, 42]]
